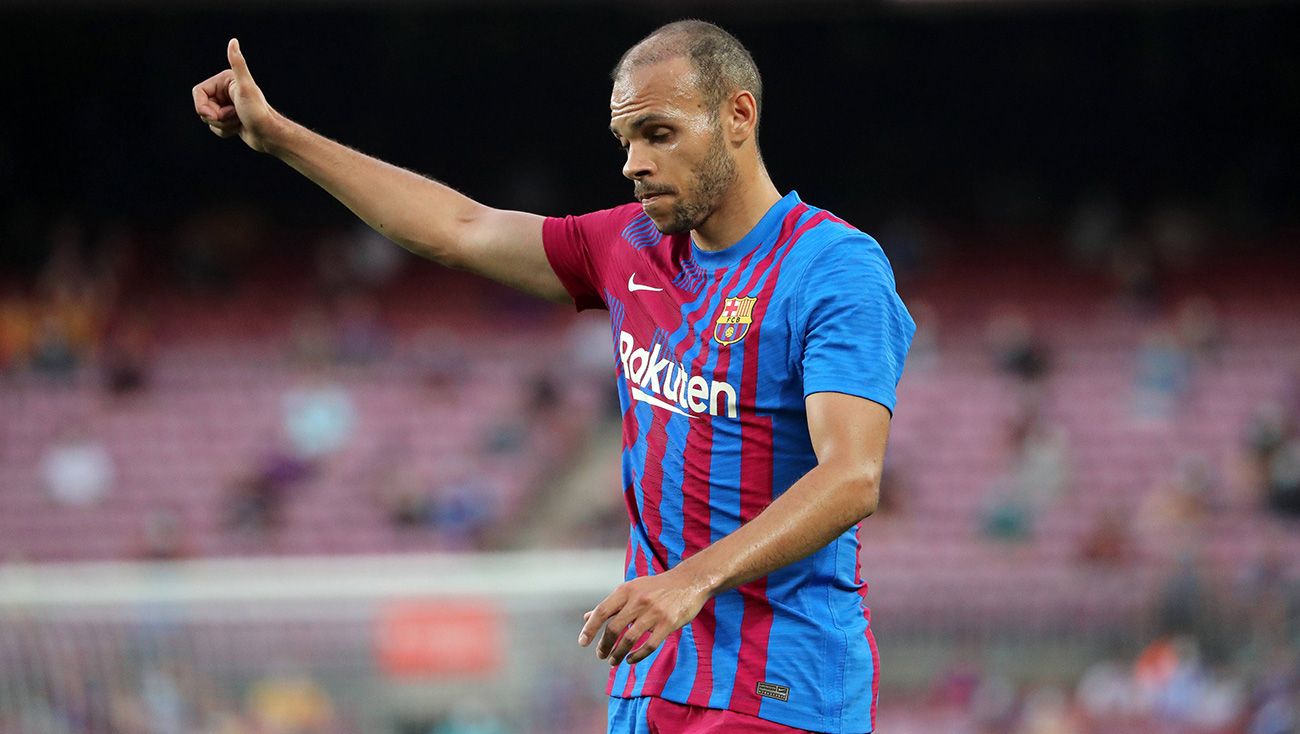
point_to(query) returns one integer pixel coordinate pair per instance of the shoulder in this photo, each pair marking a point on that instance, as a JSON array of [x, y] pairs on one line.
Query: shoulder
[[612, 221], [832, 248], [597, 233]]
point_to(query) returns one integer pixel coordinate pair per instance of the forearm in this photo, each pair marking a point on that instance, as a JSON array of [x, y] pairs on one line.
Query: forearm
[[814, 511], [419, 214]]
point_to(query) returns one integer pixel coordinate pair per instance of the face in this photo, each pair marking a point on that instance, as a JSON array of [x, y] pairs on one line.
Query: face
[[677, 156]]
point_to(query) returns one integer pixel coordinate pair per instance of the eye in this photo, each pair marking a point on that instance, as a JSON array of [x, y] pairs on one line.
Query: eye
[[659, 136]]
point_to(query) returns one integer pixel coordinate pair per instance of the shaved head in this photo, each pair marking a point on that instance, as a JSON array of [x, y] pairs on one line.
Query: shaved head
[[722, 65]]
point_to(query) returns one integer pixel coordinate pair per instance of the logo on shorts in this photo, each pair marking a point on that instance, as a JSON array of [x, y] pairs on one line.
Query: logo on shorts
[[733, 323], [772, 690]]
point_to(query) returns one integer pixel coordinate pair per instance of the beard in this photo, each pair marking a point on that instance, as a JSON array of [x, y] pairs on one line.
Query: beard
[[713, 177]]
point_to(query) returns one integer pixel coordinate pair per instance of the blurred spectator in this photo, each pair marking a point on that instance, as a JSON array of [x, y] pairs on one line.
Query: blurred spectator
[[1108, 542], [400, 493], [1277, 692], [1273, 448], [994, 703], [463, 509], [17, 329], [1038, 476], [1186, 604], [1008, 518], [543, 396], [290, 703], [1283, 479], [1262, 600], [1180, 688], [258, 496], [506, 437], [77, 469], [1163, 372], [53, 353], [70, 305], [1042, 472], [1278, 715], [957, 683], [311, 336], [164, 702], [1106, 691], [162, 537], [1182, 499], [1047, 710], [1134, 273], [441, 362], [127, 356], [1016, 349], [318, 415], [361, 334], [78, 312], [1199, 328], [1269, 429]]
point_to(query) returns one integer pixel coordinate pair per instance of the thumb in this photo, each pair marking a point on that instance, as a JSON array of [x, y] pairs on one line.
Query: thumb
[[237, 63]]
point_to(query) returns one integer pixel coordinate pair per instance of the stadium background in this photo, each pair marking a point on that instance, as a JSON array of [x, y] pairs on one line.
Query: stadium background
[[261, 471]]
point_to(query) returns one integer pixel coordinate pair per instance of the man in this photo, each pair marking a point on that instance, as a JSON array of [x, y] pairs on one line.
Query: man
[[759, 342]]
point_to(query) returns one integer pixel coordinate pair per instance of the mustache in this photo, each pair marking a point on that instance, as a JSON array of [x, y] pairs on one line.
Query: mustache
[[640, 192]]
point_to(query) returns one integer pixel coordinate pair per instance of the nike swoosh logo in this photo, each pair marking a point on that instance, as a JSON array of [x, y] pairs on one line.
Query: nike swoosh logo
[[633, 286], [643, 396]]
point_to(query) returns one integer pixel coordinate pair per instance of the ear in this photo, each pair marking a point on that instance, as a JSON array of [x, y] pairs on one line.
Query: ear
[[740, 116]]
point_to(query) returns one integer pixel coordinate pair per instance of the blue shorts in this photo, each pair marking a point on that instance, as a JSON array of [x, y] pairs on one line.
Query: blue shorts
[[654, 715]]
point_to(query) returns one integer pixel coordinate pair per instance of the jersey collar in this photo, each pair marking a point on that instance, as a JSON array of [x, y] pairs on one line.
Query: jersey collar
[[763, 233]]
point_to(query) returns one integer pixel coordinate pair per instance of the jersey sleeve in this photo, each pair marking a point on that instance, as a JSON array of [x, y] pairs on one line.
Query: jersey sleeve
[[577, 246], [856, 329]]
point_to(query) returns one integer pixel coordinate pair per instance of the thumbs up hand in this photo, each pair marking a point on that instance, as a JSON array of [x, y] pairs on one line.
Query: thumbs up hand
[[231, 103]]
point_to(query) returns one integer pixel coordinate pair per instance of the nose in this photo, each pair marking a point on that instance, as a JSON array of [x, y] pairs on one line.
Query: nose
[[637, 166]]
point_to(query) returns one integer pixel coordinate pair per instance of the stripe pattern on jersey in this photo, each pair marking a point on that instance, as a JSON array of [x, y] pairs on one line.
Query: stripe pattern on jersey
[[692, 665]]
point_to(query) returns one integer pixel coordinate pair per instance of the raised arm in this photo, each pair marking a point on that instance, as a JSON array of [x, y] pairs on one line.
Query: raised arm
[[424, 216]]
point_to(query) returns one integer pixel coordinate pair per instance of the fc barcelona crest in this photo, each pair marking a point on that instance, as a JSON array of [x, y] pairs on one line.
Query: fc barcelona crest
[[733, 322]]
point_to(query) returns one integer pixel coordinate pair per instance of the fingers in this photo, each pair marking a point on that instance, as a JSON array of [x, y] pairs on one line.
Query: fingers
[[212, 94], [628, 639], [237, 62], [607, 608], [224, 118], [648, 647], [226, 131], [613, 633]]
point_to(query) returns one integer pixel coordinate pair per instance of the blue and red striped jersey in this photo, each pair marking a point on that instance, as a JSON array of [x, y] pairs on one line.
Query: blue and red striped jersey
[[715, 353]]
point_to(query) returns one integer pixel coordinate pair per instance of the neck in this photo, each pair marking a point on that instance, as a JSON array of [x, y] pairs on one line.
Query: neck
[[739, 210]]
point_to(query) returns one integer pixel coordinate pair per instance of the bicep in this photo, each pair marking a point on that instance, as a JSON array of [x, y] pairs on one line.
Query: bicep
[[848, 432], [506, 246]]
